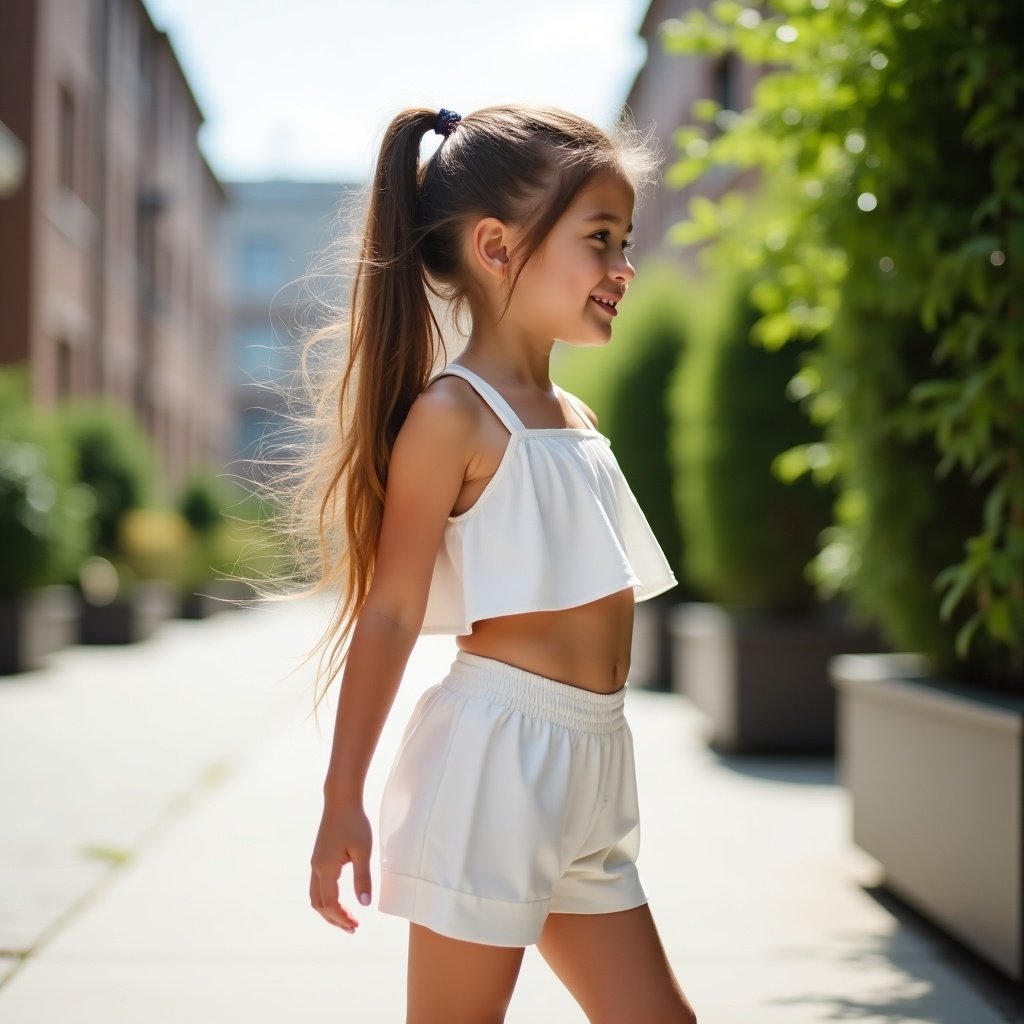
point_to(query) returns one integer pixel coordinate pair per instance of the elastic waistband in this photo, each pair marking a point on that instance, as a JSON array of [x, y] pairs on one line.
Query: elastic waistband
[[554, 701]]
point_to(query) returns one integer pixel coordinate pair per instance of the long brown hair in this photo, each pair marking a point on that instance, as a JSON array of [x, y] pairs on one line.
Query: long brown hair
[[523, 164]]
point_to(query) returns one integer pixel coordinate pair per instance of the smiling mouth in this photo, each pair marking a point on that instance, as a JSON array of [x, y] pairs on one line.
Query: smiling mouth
[[609, 309]]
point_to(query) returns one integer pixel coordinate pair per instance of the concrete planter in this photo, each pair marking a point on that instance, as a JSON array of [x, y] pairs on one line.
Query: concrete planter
[[35, 624], [650, 663], [762, 680], [936, 778], [127, 619]]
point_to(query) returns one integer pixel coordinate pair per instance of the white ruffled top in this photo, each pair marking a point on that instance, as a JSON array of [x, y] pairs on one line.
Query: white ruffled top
[[556, 526]]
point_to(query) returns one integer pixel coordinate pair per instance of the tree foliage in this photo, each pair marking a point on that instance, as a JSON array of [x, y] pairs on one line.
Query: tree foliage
[[891, 134]]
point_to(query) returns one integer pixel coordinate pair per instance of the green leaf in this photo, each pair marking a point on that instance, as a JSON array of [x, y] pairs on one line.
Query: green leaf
[[963, 579], [774, 330], [685, 172], [998, 621], [705, 109], [791, 464], [965, 635]]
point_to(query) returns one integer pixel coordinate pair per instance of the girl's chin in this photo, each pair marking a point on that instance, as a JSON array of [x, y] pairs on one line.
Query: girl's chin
[[584, 342]]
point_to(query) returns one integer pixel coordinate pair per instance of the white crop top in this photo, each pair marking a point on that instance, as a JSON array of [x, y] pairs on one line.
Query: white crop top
[[556, 526]]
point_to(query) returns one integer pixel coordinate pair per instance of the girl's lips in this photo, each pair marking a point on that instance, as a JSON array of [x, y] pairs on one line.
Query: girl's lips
[[610, 310]]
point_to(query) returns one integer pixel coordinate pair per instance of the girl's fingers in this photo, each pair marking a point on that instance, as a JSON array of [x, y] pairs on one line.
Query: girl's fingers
[[324, 898], [361, 882]]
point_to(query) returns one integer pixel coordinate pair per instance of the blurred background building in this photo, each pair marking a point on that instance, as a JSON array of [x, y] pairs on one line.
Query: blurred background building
[[113, 279], [131, 273], [663, 94], [282, 240]]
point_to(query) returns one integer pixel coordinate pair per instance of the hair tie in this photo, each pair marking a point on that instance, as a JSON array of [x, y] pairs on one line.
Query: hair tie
[[446, 121]]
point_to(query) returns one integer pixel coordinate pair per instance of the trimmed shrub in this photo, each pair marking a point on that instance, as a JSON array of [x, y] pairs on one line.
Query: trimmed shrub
[[204, 499], [155, 544], [45, 519], [225, 526], [115, 459], [748, 536], [898, 523]]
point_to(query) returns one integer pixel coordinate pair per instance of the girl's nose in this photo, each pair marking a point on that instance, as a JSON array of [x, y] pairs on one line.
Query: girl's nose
[[623, 269]]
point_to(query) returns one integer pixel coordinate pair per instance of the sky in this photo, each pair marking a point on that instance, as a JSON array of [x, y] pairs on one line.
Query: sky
[[303, 89]]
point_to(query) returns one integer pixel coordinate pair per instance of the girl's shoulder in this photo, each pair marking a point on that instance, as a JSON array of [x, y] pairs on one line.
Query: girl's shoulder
[[451, 399], [484, 414], [442, 415]]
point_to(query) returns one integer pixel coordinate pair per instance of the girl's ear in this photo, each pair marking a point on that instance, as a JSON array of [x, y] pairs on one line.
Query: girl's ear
[[489, 242]]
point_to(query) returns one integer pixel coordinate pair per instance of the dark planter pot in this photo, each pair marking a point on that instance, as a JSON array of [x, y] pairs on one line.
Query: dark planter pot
[[198, 605], [35, 624], [130, 619], [216, 596], [936, 778], [762, 679], [650, 663]]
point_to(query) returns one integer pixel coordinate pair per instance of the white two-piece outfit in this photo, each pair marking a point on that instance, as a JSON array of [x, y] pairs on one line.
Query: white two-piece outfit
[[513, 795]]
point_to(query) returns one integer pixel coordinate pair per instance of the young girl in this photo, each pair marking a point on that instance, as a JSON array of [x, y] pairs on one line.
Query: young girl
[[483, 501]]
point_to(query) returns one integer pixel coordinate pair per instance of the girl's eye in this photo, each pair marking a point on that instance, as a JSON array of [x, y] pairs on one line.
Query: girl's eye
[[626, 246]]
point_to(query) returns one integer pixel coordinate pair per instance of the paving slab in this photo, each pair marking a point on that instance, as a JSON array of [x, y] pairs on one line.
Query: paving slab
[[101, 746]]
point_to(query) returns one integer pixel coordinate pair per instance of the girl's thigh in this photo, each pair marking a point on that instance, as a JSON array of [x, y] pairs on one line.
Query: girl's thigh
[[458, 982], [615, 967]]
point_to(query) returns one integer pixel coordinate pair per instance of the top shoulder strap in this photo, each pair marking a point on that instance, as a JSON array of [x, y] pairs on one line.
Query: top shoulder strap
[[498, 404]]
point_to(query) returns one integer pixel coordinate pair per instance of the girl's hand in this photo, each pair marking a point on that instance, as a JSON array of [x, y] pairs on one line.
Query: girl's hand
[[344, 837]]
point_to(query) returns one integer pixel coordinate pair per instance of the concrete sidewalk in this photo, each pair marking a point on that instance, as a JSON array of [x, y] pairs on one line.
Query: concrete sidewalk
[[768, 914]]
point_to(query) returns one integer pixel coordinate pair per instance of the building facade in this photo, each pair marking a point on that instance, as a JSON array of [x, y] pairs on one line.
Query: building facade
[[286, 243], [663, 94], [112, 245]]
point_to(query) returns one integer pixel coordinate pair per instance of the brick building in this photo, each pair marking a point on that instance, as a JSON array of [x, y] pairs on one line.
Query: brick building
[[112, 242], [663, 93]]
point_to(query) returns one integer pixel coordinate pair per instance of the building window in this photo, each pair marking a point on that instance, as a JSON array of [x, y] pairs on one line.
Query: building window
[[258, 355], [261, 269], [66, 141], [725, 81], [63, 368]]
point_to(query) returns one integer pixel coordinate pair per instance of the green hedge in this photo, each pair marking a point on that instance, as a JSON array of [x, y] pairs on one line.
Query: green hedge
[[115, 459], [898, 522], [896, 131], [748, 536], [45, 519], [205, 498]]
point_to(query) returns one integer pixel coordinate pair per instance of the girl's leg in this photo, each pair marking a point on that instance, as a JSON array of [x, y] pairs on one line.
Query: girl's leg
[[615, 967], [458, 982]]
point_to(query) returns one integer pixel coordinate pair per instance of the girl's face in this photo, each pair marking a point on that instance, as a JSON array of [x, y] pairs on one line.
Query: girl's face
[[584, 256]]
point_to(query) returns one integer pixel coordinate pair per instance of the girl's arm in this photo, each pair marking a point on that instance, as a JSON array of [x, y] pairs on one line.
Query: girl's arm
[[426, 470]]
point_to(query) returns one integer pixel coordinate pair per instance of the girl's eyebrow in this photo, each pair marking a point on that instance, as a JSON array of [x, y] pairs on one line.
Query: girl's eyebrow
[[611, 217]]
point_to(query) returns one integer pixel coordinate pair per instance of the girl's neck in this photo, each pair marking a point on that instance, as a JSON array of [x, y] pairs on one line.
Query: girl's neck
[[522, 368]]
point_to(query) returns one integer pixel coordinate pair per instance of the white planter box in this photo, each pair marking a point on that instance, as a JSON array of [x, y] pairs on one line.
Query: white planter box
[[936, 779]]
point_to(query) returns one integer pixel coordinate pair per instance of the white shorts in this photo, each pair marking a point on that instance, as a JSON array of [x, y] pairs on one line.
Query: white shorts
[[512, 796]]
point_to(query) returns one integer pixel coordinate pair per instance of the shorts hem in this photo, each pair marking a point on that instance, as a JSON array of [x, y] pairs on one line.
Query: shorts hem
[[629, 900], [461, 915]]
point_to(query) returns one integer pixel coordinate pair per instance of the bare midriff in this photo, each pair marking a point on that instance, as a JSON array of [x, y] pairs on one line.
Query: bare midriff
[[586, 646]]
